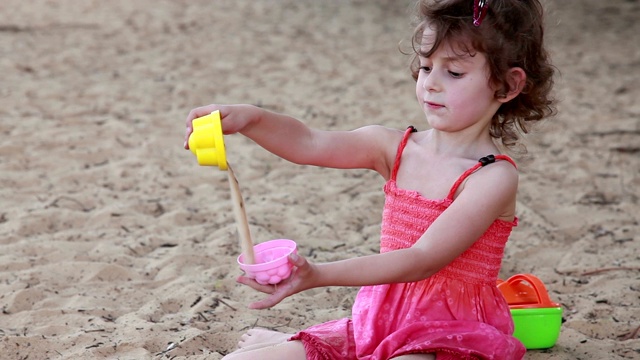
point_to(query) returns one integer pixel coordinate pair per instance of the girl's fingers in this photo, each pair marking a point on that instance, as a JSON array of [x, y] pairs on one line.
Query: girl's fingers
[[277, 292], [194, 114], [187, 133], [281, 291], [274, 299], [266, 303], [267, 289], [298, 261]]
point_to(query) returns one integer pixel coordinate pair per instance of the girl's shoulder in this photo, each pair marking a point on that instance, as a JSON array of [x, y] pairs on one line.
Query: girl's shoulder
[[496, 169], [381, 130], [383, 137], [499, 175], [382, 143]]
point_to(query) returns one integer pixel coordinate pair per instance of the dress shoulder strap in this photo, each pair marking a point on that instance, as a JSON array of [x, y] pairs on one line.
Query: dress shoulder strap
[[484, 161], [403, 143]]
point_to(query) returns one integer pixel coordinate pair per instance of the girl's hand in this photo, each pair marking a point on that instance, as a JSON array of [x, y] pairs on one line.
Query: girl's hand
[[300, 280], [234, 118]]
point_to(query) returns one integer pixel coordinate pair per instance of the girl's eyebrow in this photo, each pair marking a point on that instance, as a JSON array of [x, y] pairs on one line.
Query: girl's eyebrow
[[450, 59]]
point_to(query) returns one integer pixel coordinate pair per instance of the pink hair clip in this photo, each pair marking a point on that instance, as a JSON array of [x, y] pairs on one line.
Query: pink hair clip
[[479, 11]]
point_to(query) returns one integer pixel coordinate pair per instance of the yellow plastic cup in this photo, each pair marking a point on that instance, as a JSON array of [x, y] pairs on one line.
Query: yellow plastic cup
[[207, 142]]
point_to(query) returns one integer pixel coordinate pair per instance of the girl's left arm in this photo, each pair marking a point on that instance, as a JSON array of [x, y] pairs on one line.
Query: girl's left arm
[[487, 196]]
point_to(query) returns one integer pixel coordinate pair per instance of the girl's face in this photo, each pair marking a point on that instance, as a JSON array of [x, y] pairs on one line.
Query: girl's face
[[453, 88]]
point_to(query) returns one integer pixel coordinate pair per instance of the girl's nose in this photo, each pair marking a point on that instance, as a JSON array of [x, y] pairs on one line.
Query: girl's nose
[[431, 82]]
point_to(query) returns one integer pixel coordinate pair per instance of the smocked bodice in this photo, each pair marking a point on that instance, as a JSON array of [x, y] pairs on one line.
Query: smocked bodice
[[407, 215]]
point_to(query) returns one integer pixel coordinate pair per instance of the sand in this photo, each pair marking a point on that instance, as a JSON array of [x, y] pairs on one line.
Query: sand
[[116, 244]]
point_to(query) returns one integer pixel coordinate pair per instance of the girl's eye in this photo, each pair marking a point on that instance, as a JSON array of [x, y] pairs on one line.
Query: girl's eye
[[426, 69], [455, 75]]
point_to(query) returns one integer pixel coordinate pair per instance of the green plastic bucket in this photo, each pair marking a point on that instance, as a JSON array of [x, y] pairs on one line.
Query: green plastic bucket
[[537, 328], [536, 319]]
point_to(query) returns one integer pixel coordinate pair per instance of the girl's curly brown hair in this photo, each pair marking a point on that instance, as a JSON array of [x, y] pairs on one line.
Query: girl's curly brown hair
[[510, 35]]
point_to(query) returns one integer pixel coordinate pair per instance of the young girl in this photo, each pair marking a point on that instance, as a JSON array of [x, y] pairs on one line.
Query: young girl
[[482, 77]]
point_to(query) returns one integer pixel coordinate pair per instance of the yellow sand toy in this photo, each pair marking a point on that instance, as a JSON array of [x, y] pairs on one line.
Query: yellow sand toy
[[272, 265], [206, 141]]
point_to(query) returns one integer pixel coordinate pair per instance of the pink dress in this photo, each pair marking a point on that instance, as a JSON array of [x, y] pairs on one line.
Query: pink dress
[[458, 313]]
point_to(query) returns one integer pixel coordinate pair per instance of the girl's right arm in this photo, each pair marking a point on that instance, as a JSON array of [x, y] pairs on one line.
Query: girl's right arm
[[371, 147], [486, 196]]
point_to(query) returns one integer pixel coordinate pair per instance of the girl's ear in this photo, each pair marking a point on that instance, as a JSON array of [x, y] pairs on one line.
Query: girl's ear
[[516, 78]]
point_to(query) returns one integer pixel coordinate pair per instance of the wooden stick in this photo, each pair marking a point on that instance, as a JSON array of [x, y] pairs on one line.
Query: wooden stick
[[241, 219], [598, 271]]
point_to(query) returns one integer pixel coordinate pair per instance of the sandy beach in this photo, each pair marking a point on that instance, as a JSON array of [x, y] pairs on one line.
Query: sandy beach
[[115, 244]]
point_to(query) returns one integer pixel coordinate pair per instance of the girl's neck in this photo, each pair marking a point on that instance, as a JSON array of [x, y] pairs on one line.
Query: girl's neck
[[471, 145]]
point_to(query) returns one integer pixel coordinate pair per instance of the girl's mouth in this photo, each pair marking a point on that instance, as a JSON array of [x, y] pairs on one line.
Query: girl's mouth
[[432, 105]]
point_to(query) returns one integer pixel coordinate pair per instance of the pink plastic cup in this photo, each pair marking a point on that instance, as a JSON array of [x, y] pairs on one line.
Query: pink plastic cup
[[272, 261]]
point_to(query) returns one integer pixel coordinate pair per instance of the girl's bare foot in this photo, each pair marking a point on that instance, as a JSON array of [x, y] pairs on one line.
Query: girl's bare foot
[[260, 338], [267, 345]]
